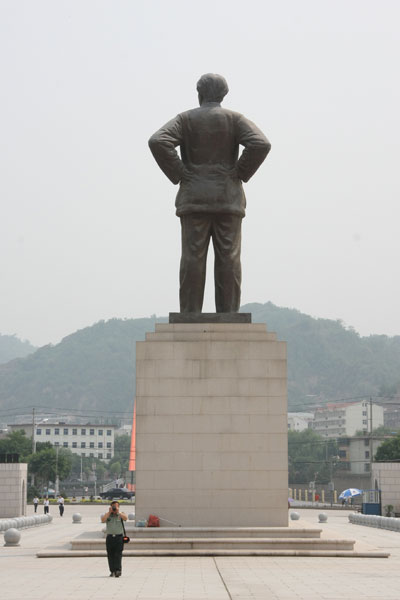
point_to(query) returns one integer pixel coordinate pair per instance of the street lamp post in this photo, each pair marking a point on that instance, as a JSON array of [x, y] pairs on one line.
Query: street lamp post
[[57, 491], [34, 439], [332, 463], [34, 430], [95, 478]]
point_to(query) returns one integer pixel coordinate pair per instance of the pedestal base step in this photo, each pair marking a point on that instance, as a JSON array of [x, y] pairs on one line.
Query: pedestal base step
[[216, 541], [208, 552], [251, 544], [220, 532]]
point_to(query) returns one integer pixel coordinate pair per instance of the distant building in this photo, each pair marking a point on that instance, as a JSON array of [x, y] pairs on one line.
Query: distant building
[[391, 418], [3, 431], [299, 421], [355, 453], [345, 419], [93, 441], [124, 429]]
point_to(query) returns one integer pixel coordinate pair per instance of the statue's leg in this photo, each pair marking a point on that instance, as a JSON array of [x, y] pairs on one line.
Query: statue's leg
[[196, 230], [227, 236]]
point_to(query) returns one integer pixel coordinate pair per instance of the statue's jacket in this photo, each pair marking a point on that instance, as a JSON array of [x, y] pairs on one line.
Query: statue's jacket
[[209, 170]]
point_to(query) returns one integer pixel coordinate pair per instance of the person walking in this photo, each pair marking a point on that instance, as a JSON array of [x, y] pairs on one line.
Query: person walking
[[46, 506], [35, 503], [114, 540], [60, 502]]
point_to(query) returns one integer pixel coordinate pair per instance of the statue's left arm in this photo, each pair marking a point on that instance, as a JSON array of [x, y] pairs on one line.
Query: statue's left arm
[[256, 148], [163, 145]]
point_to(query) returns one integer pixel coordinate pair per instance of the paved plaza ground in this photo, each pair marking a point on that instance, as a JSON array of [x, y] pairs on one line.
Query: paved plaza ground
[[24, 576]]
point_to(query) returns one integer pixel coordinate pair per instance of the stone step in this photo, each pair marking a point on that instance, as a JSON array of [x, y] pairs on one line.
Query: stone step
[[217, 327], [211, 336], [216, 541], [218, 532], [183, 544], [214, 552]]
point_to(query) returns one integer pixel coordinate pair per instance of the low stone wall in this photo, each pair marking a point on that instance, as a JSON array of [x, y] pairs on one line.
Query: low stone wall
[[375, 521], [25, 522]]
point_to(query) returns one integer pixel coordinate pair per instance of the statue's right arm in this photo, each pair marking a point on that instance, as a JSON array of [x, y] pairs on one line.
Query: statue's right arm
[[163, 145]]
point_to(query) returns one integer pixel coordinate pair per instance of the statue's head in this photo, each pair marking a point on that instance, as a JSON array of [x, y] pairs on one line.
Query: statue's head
[[212, 88]]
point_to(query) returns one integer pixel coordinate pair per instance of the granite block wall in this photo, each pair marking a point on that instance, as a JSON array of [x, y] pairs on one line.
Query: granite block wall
[[13, 489]]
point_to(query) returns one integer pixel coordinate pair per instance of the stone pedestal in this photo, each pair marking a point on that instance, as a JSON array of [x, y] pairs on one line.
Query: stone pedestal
[[211, 426]]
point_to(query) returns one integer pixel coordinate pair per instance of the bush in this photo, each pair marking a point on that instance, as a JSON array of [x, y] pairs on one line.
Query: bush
[[32, 492]]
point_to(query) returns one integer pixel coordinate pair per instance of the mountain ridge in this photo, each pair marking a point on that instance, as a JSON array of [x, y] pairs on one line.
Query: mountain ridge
[[94, 368]]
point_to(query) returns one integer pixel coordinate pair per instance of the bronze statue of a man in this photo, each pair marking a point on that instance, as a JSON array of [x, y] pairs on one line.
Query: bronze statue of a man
[[210, 201]]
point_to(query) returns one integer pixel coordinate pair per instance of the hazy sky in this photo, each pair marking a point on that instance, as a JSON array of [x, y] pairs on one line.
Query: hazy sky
[[88, 228]]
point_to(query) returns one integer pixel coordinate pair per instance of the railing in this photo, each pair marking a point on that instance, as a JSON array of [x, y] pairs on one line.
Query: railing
[[391, 523], [303, 495], [112, 484], [24, 522]]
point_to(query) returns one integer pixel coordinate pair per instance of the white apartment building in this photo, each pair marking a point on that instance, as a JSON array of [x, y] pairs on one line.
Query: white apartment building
[[299, 421], [345, 419], [94, 441], [355, 453]]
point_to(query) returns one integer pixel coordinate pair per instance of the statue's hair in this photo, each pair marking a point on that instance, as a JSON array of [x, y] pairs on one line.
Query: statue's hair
[[212, 87]]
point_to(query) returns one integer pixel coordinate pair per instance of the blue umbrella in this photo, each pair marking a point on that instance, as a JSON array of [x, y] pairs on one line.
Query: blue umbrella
[[349, 493]]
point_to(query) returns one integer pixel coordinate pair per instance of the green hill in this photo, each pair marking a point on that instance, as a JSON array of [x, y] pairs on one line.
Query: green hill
[[94, 368], [11, 347], [328, 360]]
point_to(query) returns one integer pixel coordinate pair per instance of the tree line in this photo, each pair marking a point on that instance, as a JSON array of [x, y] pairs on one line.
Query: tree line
[[49, 461], [311, 458]]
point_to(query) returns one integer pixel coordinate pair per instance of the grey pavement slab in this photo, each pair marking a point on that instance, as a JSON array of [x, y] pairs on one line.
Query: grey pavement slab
[[23, 576]]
